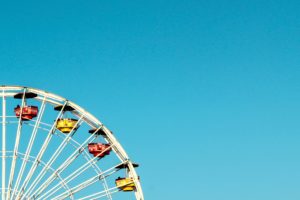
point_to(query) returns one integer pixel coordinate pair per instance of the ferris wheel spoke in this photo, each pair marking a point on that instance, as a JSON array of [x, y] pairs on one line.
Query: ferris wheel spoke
[[29, 147], [3, 144], [100, 195], [59, 164], [41, 152], [91, 181], [56, 154], [18, 136], [76, 189], [50, 170], [75, 175], [93, 164], [82, 185], [104, 183], [64, 165]]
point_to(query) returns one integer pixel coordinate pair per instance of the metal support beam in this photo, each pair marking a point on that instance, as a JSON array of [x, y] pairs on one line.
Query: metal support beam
[[3, 144]]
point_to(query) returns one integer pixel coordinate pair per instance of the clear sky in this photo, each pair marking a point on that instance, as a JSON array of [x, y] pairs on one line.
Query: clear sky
[[203, 94]]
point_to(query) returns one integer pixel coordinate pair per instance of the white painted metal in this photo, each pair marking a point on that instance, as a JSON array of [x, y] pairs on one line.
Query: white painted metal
[[13, 165], [32, 138], [75, 174], [27, 190], [86, 183], [3, 144], [55, 155], [10, 154], [64, 165], [41, 152]]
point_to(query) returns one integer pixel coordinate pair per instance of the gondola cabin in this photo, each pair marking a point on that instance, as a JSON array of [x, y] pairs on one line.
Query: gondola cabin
[[66, 125], [28, 112], [125, 184], [99, 150]]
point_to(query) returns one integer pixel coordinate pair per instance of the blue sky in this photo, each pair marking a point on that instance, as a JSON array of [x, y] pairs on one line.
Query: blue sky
[[203, 94]]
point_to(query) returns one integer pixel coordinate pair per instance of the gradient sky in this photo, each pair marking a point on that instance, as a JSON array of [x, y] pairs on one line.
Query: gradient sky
[[203, 94]]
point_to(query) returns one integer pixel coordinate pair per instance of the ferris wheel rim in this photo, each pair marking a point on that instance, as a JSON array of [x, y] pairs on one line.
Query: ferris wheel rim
[[93, 122]]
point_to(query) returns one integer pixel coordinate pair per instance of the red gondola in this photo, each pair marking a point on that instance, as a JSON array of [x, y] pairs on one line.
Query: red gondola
[[99, 150], [28, 112]]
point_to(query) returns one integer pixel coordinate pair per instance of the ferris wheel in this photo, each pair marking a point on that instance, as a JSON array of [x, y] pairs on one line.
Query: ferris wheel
[[54, 149]]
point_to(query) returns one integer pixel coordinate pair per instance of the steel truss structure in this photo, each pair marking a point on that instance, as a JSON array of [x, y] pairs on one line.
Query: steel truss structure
[[39, 161]]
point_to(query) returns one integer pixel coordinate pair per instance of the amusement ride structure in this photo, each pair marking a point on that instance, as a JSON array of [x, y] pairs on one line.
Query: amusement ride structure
[[54, 149]]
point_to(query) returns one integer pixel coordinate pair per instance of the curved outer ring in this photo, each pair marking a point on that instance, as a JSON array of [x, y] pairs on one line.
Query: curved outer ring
[[92, 120]]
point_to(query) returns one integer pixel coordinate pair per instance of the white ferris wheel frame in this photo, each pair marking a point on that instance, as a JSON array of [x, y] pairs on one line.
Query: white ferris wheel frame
[[55, 100]]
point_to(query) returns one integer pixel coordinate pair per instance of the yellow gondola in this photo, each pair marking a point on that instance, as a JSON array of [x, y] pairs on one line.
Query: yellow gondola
[[125, 184], [66, 125]]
